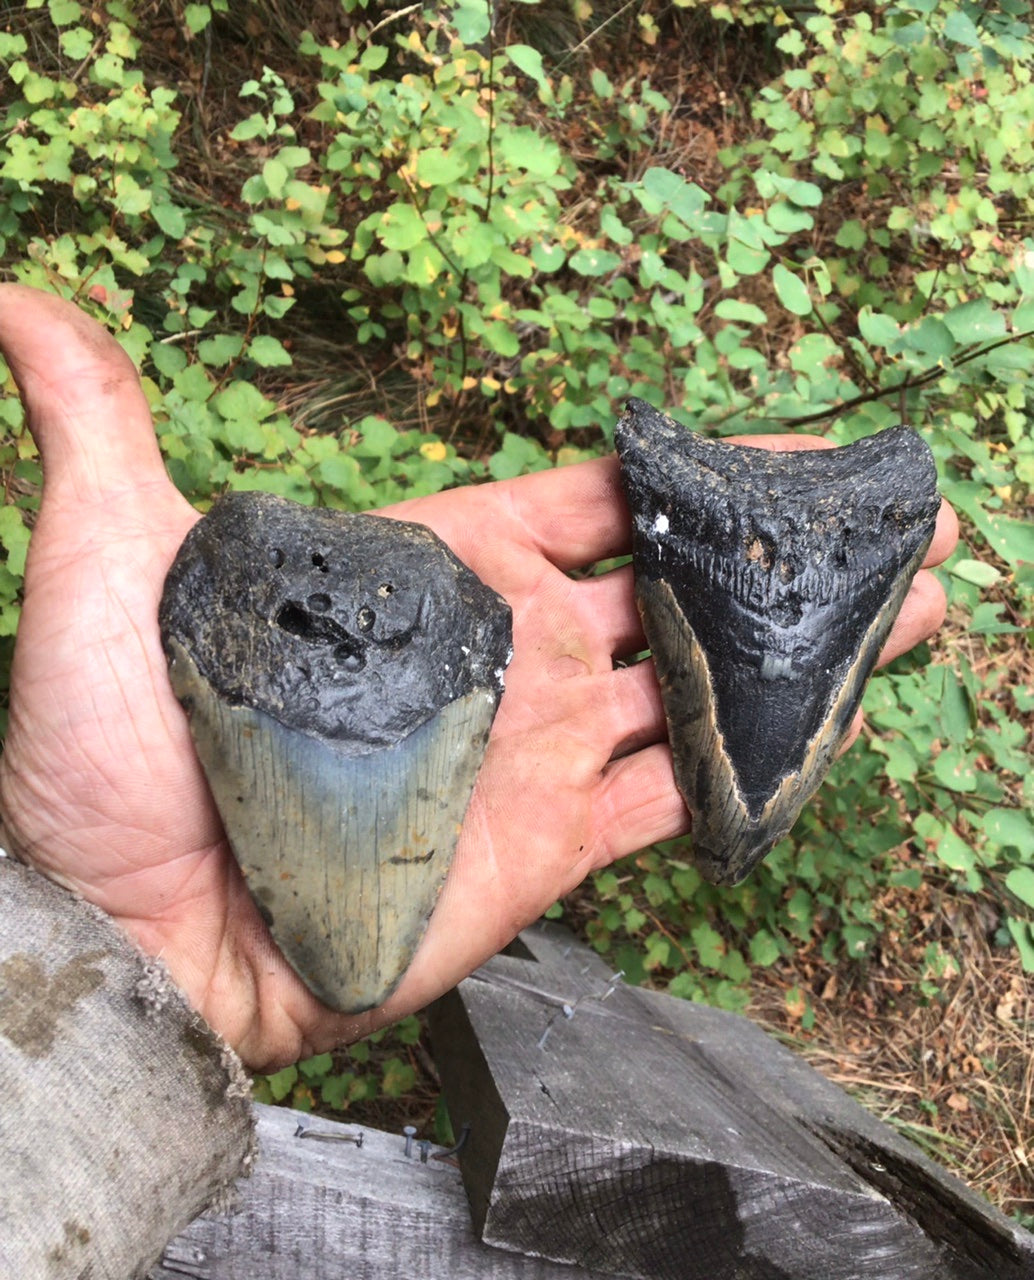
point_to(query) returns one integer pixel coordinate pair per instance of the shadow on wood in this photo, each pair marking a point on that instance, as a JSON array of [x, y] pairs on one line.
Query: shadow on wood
[[636, 1134]]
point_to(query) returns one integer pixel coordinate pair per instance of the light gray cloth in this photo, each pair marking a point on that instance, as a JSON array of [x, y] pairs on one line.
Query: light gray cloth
[[122, 1114]]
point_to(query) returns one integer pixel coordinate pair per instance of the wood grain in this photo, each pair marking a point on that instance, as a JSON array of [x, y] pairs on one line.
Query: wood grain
[[333, 1211], [651, 1137]]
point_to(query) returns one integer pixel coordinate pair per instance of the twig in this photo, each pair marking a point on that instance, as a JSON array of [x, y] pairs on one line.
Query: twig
[[390, 18], [906, 384], [595, 32]]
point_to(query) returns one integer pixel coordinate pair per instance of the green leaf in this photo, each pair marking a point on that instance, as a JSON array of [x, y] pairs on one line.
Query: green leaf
[[472, 243], [1023, 316], [294, 158], [276, 308], [315, 1068], [978, 572], [517, 456], [745, 260], [268, 351], [851, 235], [528, 60], [526, 149], [857, 940], [601, 85], [401, 227], [374, 57], [787, 219], [171, 218], [1023, 936], [168, 359], [254, 126], [437, 167], [791, 43], [197, 17], [472, 20], [955, 853], [282, 1082], [1010, 829], [425, 265], [961, 28], [397, 1078], [877, 329], [1012, 539], [274, 174], [791, 290], [64, 12], [764, 950], [747, 312], [76, 43], [15, 539], [408, 1031], [546, 256], [986, 620], [501, 338], [797, 190], [594, 262], [1021, 882], [221, 349], [710, 945], [975, 322], [242, 402], [335, 1090], [667, 191], [930, 338], [954, 769]]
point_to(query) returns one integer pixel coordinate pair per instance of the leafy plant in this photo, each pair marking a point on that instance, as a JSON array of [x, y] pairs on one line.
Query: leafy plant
[[524, 239], [374, 1070]]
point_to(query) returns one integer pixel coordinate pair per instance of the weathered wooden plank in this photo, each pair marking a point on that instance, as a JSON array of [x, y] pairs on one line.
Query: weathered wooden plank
[[630, 1132], [333, 1211]]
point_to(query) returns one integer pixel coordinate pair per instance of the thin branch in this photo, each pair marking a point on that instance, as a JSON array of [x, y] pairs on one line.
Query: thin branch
[[390, 18], [414, 197], [906, 384], [852, 358], [595, 32]]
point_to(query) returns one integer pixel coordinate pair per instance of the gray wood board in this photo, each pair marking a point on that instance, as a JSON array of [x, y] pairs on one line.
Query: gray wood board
[[331, 1211], [651, 1137]]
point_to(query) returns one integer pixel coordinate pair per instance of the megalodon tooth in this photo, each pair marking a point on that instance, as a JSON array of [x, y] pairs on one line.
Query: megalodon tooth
[[341, 673], [767, 584]]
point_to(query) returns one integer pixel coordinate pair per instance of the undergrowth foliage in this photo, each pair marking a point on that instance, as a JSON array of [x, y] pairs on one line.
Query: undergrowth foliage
[[523, 236]]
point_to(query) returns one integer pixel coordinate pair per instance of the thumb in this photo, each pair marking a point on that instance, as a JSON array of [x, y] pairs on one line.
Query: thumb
[[83, 400]]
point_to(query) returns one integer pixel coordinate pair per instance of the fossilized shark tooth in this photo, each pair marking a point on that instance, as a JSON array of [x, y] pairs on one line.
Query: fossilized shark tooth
[[341, 674], [767, 584]]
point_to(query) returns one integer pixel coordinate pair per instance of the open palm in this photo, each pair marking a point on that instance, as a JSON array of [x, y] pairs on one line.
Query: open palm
[[100, 786]]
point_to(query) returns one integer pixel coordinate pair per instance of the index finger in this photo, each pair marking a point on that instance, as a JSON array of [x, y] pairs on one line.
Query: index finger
[[573, 515]]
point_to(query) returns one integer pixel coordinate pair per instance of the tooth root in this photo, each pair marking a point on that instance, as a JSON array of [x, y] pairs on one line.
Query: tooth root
[[341, 674], [767, 583]]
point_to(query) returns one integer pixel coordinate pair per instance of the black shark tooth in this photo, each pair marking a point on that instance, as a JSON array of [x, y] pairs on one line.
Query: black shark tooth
[[767, 583], [341, 674]]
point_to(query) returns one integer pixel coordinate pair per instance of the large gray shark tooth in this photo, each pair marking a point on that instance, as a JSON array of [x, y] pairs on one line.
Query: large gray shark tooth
[[341, 673], [767, 584]]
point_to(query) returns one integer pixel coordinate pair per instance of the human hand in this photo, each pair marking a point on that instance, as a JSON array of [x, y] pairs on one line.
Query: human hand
[[100, 786]]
